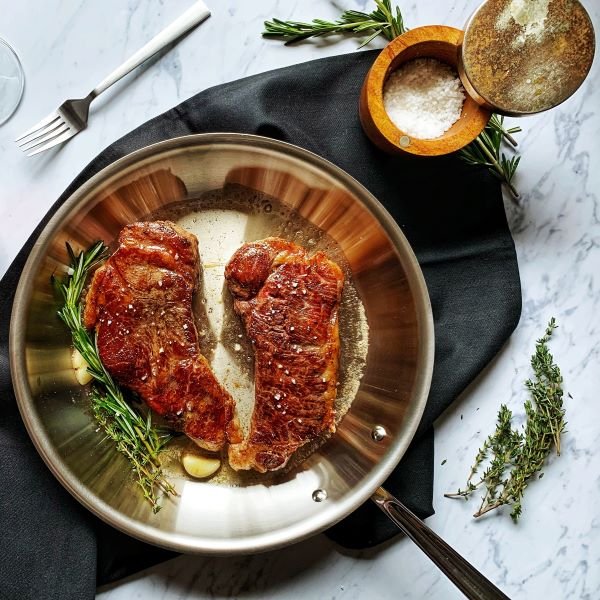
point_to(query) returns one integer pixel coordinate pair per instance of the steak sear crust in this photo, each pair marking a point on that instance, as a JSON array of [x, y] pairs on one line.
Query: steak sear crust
[[288, 302], [140, 303]]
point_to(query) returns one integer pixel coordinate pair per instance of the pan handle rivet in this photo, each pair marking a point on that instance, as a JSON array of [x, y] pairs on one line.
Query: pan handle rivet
[[319, 495], [378, 433]]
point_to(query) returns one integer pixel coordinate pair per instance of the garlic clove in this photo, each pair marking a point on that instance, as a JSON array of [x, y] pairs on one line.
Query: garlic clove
[[77, 359], [200, 466], [80, 366], [83, 375]]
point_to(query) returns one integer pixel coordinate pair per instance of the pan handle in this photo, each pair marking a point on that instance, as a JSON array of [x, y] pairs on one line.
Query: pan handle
[[464, 576]]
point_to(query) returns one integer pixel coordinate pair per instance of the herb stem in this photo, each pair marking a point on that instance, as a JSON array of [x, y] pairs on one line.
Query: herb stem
[[134, 436], [497, 167], [381, 21], [515, 457]]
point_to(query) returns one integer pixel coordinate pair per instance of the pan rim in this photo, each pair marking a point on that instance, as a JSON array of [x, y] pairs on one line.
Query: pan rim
[[275, 538]]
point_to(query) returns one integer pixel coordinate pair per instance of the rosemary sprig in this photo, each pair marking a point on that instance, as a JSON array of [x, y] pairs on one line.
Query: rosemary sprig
[[134, 435], [515, 457], [486, 150], [382, 21]]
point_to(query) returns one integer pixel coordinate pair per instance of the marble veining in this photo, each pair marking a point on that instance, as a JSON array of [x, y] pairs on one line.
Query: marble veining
[[554, 552]]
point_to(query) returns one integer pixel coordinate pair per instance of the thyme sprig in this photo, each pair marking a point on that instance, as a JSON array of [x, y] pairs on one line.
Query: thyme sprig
[[514, 457], [484, 151], [382, 21], [134, 436]]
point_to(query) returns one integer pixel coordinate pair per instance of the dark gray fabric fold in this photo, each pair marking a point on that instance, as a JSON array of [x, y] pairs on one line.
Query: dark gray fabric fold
[[452, 214]]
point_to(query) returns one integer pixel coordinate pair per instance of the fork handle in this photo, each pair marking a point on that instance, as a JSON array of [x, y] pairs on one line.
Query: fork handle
[[189, 19]]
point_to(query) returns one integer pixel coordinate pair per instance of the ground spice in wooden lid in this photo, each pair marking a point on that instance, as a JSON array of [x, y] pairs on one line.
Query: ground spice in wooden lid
[[526, 56]]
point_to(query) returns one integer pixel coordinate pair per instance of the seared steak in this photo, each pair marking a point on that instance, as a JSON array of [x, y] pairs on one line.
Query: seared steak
[[288, 302], [140, 302]]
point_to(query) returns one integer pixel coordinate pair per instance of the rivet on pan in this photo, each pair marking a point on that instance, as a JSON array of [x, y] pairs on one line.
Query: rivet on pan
[[319, 495], [378, 433], [404, 141]]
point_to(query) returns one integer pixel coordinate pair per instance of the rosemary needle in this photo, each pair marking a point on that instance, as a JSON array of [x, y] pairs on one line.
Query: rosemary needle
[[486, 150], [134, 436], [514, 457]]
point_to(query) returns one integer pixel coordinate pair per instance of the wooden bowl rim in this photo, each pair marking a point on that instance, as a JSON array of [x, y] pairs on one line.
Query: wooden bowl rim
[[375, 80]]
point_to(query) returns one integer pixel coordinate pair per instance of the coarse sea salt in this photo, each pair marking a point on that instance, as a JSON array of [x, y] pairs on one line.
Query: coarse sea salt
[[423, 98]]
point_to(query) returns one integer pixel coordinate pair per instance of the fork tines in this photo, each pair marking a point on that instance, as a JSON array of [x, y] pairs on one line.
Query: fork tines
[[48, 132]]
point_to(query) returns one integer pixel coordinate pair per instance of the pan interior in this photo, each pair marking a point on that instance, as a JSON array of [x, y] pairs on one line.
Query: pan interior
[[170, 178], [223, 220]]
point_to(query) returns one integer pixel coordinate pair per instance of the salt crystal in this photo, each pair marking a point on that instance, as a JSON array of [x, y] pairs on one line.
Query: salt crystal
[[423, 98]]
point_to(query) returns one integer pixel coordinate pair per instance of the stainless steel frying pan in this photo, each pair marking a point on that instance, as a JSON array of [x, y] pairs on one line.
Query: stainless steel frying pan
[[371, 439]]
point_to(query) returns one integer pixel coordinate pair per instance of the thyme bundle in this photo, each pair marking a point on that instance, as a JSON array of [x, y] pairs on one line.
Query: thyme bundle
[[485, 151], [134, 435], [516, 457]]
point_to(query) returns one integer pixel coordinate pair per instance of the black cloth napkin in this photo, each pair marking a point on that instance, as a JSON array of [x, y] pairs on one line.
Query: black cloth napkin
[[452, 214]]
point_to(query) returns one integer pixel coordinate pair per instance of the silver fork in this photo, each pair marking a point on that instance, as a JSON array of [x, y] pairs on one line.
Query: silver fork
[[71, 116]]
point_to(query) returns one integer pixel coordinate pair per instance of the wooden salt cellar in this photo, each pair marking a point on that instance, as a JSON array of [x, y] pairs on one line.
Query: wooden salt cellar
[[433, 41], [514, 58]]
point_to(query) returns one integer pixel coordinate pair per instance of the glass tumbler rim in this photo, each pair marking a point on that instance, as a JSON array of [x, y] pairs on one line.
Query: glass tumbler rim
[[11, 52]]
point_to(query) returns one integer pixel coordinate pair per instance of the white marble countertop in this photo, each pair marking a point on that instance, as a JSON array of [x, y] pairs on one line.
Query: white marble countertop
[[67, 46]]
